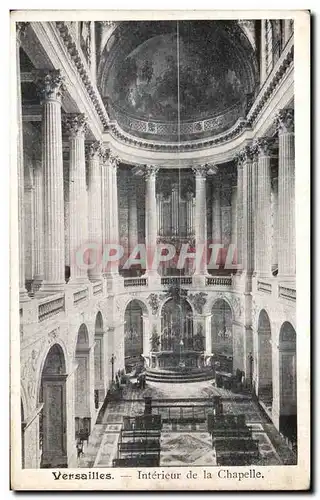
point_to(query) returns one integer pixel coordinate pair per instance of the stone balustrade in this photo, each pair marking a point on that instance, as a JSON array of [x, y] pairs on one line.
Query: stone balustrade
[[97, 288], [50, 306], [80, 296], [287, 292], [135, 282], [264, 286], [219, 281]]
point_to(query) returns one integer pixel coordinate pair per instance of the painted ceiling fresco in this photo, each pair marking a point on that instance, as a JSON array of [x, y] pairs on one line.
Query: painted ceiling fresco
[[197, 75]]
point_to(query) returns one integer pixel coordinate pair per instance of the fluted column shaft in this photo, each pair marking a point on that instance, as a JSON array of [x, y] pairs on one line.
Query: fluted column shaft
[[239, 212], [263, 245], [78, 208], [189, 213], [110, 205], [133, 216], [51, 87], [216, 211], [248, 245], [175, 209], [115, 212], [94, 207], [151, 217], [23, 296], [38, 227], [286, 196], [201, 219]]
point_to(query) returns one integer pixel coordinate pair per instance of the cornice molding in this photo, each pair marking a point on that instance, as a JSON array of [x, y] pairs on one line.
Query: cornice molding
[[84, 72]]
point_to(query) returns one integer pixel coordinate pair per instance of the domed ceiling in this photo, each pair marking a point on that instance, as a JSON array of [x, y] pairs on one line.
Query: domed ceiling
[[158, 74]]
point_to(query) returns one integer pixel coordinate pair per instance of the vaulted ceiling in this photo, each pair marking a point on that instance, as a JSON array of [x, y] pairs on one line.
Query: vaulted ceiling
[[169, 72]]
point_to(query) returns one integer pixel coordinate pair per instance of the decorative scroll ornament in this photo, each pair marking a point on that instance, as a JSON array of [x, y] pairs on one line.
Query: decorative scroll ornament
[[198, 300], [285, 121], [50, 84], [264, 145], [114, 160], [76, 124], [205, 169], [95, 150], [21, 28], [153, 301]]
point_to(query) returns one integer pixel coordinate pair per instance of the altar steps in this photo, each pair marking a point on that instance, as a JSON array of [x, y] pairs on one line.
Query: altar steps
[[178, 377]]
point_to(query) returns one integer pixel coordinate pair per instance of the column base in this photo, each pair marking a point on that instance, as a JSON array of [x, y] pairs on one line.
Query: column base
[[153, 277], [199, 279], [36, 284], [23, 295], [48, 288], [76, 282], [115, 282]]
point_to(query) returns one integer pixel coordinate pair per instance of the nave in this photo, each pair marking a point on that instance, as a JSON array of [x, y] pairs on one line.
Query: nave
[[185, 438]]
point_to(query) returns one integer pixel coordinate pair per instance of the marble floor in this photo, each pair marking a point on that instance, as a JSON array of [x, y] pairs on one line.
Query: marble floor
[[182, 443]]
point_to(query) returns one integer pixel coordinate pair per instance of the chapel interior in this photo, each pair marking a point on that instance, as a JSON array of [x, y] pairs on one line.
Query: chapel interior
[[141, 134]]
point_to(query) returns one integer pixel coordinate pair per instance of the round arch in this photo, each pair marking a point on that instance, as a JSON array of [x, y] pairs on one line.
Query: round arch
[[52, 418], [134, 314], [288, 382], [177, 325], [82, 388], [265, 372], [99, 368], [222, 335]]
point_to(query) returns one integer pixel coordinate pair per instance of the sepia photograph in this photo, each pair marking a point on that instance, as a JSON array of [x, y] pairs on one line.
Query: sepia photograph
[[157, 307]]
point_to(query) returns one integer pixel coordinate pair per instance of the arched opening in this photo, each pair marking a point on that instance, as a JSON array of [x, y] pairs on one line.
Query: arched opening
[[82, 394], [265, 391], [99, 346], [52, 431], [23, 425], [177, 343], [222, 336], [133, 334], [288, 383]]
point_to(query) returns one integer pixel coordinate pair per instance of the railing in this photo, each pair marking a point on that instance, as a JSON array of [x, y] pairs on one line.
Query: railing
[[287, 293], [135, 282], [264, 286], [176, 280], [80, 296], [97, 288], [50, 306], [219, 281]]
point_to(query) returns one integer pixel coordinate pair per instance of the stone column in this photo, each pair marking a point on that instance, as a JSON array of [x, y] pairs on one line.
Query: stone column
[[76, 125], [51, 87], [38, 226], [175, 209], [248, 247], [114, 162], [29, 223], [239, 260], [94, 208], [274, 210], [216, 211], [263, 209], [151, 219], [189, 213], [286, 179], [23, 295], [133, 215], [200, 220], [234, 215]]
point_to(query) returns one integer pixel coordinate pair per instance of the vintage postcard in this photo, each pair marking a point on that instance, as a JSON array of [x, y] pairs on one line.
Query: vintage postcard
[[159, 250]]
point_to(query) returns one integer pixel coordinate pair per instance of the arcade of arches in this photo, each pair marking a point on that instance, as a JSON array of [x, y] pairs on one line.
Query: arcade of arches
[[101, 159]]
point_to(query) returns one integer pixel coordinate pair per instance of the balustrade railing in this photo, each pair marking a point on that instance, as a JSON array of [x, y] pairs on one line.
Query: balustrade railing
[[264, 286], [97, 288], [176, 280], [80, 296], [287, 292], [135, 282], [50, 306], [219, 281]]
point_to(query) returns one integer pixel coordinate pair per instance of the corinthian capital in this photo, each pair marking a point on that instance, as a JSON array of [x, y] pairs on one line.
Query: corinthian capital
[[150, 171], [264, 145], [21, 28], [114, 160], [95, 150], [50, 84], [76, 124], [205, 169], [285, 121]]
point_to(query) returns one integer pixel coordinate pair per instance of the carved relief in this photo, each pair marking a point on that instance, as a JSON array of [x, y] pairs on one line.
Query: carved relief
[[153, 301], [198, 300]]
